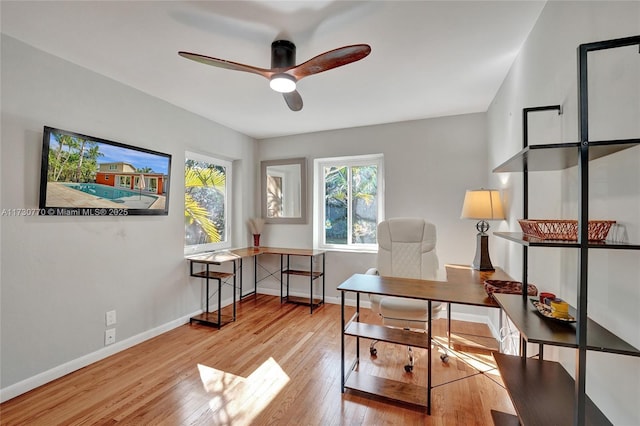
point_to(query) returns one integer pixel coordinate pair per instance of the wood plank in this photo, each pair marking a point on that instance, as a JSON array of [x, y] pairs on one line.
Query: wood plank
[[388, 334], [158, 381], [543, 392], [212, 274], [315, 274], [303, 300], [291, 251], [389, 389], [211, 318], [465, 287]]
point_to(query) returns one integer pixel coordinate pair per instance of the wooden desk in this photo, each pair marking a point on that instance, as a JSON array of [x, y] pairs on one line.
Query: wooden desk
[[463, 286], [285, 270], [208, 259]]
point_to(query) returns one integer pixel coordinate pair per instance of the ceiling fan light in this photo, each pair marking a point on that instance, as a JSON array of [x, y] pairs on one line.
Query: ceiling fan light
[[283, 83]]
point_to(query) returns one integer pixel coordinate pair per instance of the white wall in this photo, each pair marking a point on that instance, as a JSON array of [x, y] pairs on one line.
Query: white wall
[[61, 274], [429, 164], [545, 73]]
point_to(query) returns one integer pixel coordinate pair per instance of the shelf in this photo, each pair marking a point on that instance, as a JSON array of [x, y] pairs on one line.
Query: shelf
[[387, 388], [314, 274], [211, 319], [388, 334], [560, 156], [303, 300], [537, 329], [212, 274], [504, 419], [526, 240], [542, 392]]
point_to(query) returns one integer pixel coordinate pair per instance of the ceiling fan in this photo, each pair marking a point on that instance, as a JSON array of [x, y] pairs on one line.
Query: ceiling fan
[[284, 74]]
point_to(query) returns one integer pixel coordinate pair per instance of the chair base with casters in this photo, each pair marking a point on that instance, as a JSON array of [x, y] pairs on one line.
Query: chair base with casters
[[409, 315], [406, 249]]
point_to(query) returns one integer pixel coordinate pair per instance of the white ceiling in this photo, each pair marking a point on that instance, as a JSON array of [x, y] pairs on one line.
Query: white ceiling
[[428, 58]]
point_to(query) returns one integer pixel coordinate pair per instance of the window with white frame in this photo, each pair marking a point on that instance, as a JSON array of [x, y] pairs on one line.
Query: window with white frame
[[207, 203], [348, 201]]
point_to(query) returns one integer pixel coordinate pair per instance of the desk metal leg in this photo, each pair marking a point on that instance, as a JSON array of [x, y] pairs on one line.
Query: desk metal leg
[[323, 274], [288, 275], [234, 286], [342, 322], [429, 358], [449, 325], [358, 320], [281, 278], [219, 303], [311, 284], [206, 296]]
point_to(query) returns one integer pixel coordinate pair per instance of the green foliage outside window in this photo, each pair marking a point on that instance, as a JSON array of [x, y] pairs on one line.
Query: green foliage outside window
[[351, 210], [204, 202]]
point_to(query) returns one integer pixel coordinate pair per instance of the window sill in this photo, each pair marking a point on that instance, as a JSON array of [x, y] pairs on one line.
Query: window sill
[[347, 250]]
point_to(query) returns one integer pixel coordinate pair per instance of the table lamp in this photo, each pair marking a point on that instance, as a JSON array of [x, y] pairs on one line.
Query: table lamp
[[483, 205]]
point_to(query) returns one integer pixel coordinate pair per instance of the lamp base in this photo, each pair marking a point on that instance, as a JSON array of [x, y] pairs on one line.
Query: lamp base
[[482, 262]]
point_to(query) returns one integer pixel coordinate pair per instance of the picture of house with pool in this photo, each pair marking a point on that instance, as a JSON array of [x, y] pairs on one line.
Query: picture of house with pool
[[84, 173]]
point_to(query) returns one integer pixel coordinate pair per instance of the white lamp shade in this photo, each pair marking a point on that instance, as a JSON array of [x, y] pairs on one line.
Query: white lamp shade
[[482, 204]]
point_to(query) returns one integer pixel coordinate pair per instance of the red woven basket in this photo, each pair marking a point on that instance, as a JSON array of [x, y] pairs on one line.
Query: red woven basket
[[509, 287], [554, 229]]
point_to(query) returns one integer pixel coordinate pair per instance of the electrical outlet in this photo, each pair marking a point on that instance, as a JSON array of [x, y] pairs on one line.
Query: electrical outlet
[[109, 336], [110, 318]]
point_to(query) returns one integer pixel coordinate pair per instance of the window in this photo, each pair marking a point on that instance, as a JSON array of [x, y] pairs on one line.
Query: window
[[124, 181], [349, 202], [207, 201]]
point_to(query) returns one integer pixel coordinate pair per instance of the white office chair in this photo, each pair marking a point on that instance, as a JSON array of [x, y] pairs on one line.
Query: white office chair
[[406, 249]]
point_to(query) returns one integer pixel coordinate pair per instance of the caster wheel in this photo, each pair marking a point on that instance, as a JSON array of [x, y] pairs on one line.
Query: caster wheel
[[444, 358], [373, 351], [408, 368]]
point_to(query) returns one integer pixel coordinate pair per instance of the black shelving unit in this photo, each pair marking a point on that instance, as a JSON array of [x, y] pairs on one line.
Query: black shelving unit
[[520, 373]]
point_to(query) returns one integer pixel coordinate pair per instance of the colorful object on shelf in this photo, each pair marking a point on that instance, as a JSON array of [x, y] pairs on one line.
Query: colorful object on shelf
[[555, 229], [256, 240], [545, 295], [547, 312], [508, 287], [559, 308]]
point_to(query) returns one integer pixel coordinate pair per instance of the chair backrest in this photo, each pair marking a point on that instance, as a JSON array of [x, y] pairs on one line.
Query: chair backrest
[[407, 248]]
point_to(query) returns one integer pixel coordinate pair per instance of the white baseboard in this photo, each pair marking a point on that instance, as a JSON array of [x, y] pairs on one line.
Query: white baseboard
[[40, 379]]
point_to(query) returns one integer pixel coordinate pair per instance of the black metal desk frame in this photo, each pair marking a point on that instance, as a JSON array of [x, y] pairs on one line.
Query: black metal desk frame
[[214, 319]]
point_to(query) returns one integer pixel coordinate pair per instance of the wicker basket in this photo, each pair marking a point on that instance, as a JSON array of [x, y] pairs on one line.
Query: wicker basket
[[564, 229], [508, 287]]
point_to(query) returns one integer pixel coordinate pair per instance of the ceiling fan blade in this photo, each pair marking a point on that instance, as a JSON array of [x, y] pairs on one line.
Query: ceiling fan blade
[[329, 60], [222, 63], [293, 100]]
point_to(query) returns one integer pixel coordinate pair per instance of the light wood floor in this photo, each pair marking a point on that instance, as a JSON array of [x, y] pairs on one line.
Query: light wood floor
[[276, 365]]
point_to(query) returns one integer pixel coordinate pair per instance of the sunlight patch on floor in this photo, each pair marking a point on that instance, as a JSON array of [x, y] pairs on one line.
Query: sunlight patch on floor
[[483, 362], [237, 400]]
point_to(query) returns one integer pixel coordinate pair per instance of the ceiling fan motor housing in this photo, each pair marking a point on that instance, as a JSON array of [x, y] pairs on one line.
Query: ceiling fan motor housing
[[283, 54]]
